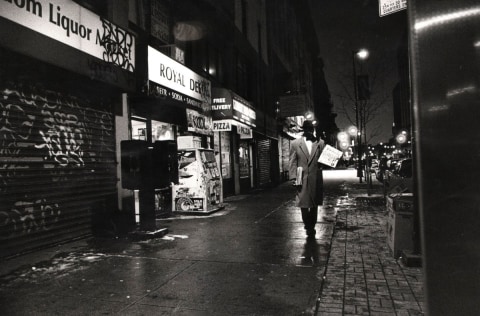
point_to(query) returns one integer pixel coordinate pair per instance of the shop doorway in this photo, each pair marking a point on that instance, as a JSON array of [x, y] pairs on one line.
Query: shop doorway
[[245, 171]]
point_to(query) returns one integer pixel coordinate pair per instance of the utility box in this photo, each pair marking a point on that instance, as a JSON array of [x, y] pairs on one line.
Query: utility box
[[400, 223]]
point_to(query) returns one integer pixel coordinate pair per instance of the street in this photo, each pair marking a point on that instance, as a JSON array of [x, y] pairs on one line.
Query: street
[[252, 258]]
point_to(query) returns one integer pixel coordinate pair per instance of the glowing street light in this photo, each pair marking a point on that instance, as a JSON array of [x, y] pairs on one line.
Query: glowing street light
[[401, 138], [342, 136], [309, 115], [344, 145], [362, 54], [352, 130], [343, 140]]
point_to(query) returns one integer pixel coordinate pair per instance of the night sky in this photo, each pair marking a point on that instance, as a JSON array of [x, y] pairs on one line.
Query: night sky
[[347, 25]]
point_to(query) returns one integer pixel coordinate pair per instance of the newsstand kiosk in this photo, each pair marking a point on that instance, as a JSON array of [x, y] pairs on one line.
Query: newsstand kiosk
[[200, 187]]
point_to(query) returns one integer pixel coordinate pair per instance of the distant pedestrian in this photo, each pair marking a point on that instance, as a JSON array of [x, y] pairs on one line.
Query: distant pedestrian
[[304, 154]]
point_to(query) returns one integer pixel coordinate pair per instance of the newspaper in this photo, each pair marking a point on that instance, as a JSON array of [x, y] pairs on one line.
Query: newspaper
[[298, 180], [330, 156]]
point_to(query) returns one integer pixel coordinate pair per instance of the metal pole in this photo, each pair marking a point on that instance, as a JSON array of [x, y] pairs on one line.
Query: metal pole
[[359, 128]]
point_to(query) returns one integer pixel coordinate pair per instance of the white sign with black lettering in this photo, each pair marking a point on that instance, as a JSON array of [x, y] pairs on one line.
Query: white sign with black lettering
[[199, 123], [171, 74], [222, 126], [67, 22], [387, 7], [245, 132]]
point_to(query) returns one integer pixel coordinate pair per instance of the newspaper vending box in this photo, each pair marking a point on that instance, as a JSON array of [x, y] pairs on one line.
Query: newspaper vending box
[[200, 185], [400, 223]]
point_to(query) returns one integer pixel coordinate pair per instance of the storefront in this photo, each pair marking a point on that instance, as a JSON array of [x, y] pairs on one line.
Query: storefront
[[60, 90], [233, 120], [175, 107]]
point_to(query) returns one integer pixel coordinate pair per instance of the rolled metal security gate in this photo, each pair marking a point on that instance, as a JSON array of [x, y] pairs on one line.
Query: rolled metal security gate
[[58, 171], [264, 161]]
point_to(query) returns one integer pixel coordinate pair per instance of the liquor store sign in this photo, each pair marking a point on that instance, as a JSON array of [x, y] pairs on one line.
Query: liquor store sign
[[67, 22]]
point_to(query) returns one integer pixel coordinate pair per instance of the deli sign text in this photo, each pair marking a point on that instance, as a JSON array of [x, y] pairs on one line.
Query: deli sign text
[[171, 74]]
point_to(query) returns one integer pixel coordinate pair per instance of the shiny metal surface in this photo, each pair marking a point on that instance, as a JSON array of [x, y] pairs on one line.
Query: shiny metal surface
[[445, 57]]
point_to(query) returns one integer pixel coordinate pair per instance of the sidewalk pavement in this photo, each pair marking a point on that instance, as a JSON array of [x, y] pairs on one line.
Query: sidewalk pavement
[[362, 277], [354, 275]]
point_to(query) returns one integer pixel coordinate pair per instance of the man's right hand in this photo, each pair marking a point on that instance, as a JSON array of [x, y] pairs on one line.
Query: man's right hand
[[294, 182]]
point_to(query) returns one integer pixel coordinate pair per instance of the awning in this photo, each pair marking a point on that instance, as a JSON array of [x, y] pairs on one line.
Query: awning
[[160, 110]]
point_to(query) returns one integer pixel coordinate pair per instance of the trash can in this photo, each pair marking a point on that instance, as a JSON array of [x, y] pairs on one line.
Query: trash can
[[400, 223]]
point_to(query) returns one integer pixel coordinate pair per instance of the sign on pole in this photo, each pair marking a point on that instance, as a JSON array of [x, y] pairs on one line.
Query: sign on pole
[[387, 7]]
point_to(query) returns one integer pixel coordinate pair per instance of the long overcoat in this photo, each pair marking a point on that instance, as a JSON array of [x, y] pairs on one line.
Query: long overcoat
[[310, 193]]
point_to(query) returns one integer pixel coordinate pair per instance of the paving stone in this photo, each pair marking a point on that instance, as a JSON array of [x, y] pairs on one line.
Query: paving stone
[[375, 283]]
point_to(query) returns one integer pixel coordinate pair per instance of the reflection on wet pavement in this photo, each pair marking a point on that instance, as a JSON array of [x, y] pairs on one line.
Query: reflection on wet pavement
[[255, 256], [314, 254]]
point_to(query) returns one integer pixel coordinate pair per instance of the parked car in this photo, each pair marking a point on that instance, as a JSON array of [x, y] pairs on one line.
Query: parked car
[[384, 166], [400, 178], [373, 166], [403, 168]]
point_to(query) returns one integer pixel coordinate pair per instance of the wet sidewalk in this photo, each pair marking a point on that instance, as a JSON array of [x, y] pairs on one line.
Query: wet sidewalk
[[362, 277], [252, 258]]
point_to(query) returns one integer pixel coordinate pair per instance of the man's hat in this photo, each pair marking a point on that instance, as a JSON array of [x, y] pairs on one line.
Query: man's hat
[[307, 125]]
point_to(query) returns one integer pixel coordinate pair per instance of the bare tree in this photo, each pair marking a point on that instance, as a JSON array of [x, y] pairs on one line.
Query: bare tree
[[368, 110]]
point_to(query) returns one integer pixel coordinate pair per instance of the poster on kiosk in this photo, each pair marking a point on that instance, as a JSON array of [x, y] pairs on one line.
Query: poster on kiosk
[[200, 183]]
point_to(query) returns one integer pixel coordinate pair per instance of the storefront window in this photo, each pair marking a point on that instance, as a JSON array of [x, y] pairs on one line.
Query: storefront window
[[162, 131], [244, 160], [222, 150], [139, 130]]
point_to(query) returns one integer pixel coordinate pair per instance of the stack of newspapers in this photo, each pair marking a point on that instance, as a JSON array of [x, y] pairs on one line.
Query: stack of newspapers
[[298, 181]]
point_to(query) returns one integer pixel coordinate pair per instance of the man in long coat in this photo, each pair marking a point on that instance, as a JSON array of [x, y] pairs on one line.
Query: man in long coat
[[304, 152]]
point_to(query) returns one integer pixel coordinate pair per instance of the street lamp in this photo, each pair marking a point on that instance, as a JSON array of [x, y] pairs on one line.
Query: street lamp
[[343, 140], [309, 115], [362, 54], [352, 130], [401, 138]]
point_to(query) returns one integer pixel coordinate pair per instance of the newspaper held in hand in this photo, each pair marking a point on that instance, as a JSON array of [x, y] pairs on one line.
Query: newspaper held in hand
[[298, 180], [330, 156]]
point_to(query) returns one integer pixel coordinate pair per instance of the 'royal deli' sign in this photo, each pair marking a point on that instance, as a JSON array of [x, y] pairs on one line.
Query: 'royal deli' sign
[[175, 80], [75, 26]]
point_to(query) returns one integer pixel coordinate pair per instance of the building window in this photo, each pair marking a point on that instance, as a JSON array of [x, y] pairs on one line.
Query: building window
[[99, 7], [160, 23], [139, 129], [212, 61], [196, 56], [215, 64], [205, 58], [136, 13], [241, 76]]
